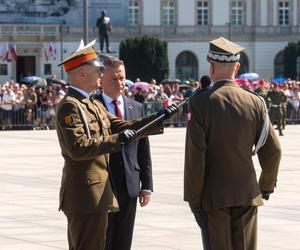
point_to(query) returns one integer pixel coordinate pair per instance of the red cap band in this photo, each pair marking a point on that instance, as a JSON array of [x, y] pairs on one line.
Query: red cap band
[[77, 61]]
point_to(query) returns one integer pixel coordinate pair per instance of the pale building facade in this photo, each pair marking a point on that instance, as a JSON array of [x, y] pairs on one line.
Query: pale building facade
[[263, 27]]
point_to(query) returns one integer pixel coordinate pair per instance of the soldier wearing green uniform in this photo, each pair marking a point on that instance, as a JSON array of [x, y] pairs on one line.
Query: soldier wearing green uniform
[[261, 90], [87, 133], [276, 100], [220, 184]]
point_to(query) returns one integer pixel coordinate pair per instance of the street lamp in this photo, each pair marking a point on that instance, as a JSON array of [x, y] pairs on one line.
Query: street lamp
[[85, 21], [61, 49]]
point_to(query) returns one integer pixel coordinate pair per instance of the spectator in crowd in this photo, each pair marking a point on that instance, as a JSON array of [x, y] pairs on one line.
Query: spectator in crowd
[[294, 100], [60, 95], [139, 97], [161, 96], [46, 106], [19, 110], [31, 105], [2, 91], [205, 82], [8, 100], [153, 82], [177, 96]]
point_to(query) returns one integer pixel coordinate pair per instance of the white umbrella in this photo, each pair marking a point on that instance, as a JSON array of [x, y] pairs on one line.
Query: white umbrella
[[129, 83], [249, 76]]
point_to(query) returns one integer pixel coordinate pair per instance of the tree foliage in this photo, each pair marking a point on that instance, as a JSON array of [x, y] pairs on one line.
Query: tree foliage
[[291, 52], [145, 58]]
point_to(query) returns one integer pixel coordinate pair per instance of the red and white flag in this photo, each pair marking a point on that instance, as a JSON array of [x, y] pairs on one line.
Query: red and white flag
[[46, 53], [6, 54], [13, 51], [2, 52], [52, 51]]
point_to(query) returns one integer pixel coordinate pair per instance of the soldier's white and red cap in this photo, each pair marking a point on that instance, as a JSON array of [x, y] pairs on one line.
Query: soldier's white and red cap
[[83, 55]]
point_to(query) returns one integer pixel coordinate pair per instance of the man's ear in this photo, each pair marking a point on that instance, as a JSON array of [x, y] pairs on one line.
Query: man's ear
[[82, 73], [237, 67], [212, 68]]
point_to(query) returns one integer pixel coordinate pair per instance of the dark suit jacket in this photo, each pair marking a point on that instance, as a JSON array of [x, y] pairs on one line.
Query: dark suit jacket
[[85, 187], [136, 159], [224, 124]]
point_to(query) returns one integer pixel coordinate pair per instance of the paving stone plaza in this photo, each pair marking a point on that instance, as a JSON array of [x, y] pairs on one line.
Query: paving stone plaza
[[30, 170]]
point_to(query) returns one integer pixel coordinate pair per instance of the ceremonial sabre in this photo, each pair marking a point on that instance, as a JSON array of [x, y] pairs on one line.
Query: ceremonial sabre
[[162, 116]]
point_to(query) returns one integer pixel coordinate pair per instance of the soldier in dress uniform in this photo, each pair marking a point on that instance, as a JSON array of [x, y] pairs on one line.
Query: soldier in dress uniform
[[277, 100], [261, 89], [87, 133], [224, 123]]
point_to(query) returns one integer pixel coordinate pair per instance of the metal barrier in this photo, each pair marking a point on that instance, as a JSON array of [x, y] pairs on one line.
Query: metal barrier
[[178, 120], [35, 117], [26, 117]]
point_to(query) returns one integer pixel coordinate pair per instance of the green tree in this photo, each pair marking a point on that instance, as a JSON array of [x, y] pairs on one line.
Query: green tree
[[145, 58], [291, 52]]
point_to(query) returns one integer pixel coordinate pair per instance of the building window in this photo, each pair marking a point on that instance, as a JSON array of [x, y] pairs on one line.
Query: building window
[[133, 13], [168, 13], [279, 64], [47, 69], [284, 12], [186, 66], [236, 17], [3, 70], [202, 12], [244, 64]]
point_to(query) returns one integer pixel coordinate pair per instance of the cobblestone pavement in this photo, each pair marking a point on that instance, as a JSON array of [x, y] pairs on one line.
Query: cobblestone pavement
[[30, 170]]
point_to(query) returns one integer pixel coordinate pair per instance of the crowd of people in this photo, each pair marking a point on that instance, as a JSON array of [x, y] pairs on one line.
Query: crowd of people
[[27, 107], [23, 106]]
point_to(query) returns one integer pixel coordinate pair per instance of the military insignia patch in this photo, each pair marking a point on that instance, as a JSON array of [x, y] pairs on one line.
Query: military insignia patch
[[189, 116], [69, 120]]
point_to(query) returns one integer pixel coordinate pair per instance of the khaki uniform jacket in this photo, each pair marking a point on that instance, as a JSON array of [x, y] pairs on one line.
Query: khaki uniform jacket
[[224, 124], [85, 185]]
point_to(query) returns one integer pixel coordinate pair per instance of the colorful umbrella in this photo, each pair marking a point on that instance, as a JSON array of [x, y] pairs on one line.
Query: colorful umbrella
[[140, 85]]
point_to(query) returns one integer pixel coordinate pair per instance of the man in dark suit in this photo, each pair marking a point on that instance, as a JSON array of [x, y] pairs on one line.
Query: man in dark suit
[[131, 169], [224, 123]]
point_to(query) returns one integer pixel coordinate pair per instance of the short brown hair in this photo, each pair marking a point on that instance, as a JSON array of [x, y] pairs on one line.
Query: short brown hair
[[110, 62]]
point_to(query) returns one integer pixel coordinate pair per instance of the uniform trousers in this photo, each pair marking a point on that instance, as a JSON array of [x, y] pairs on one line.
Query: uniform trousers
[[87, 231], [121, 224], [102, 39], [233, 228]]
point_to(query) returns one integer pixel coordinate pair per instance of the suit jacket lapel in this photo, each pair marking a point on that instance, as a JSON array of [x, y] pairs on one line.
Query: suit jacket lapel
[[128, 108]]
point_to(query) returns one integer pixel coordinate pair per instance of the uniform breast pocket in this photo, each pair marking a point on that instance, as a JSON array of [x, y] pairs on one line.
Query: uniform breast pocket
[[94, 127]]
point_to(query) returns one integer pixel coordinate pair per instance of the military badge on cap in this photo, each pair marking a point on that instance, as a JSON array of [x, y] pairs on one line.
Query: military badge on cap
[[83, 55], [69, 120], [223, 50]]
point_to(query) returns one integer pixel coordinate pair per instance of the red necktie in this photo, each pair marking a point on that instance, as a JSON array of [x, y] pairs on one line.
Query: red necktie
[[117, 109]]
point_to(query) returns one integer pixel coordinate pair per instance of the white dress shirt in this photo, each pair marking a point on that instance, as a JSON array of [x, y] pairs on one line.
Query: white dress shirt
[[111, 107]]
